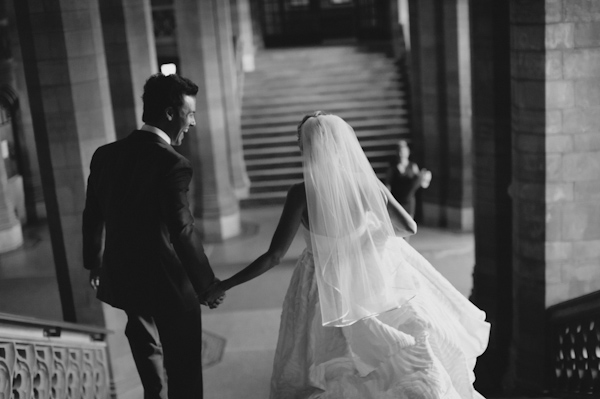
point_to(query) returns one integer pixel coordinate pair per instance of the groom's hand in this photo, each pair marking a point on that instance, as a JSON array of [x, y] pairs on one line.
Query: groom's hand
[[214, 295], [95, 278]]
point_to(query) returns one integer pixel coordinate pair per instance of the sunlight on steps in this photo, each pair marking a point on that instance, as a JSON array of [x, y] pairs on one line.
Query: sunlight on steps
[[360, 83]]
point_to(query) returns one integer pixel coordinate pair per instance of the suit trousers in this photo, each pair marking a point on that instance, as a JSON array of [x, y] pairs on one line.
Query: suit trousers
[[167, 347]]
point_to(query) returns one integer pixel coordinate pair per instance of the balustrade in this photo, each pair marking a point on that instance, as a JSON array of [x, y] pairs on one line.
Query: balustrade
[[574, 347], [52, 360]]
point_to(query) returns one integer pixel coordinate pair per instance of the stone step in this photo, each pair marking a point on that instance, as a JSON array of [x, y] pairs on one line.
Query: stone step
[[292, 119], [382, 136], [264, 199], [332, 74], [362, 128], [327, 82], [295, 161], [277, 174], [291, 148], [363, 86], [294, 172], [311, 101], [344, 109], [270, 60], [268, 163], [324, 87], [262, 195], [344, 65]]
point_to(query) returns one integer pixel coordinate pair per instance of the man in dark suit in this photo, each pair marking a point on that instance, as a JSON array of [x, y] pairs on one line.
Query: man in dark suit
[[140, 244]]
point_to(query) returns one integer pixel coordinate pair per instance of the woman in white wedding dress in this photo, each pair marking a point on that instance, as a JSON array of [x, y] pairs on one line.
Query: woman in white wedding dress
[[365, 315]]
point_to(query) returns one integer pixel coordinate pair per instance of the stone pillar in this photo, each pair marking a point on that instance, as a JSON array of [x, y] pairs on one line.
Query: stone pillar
[[400, 29], [413, 65], [491, 97], [458, 207], [246, 34], [232, 101], [130, 57], [427, 97], [404, 21], [556, 168], [35, 208], [67, 82], [214, 197], [441, 84], [11, 234]]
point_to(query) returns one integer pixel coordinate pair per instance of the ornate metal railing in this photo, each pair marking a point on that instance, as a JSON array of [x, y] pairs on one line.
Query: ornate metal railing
[[574, 347], [52, 360]]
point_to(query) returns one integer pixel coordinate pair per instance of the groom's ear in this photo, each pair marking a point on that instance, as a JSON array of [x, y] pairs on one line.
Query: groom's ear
[[169, 113]]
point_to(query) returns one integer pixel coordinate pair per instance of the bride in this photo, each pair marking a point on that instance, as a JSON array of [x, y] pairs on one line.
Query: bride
[[365, 315]]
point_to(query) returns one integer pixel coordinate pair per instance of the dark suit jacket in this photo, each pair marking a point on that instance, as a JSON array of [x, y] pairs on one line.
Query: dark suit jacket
[[138, 227]]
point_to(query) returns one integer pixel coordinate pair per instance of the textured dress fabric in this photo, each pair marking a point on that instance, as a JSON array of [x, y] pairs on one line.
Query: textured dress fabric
[[425, 349]]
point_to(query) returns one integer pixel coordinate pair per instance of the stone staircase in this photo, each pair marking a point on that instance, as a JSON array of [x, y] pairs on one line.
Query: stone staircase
[[361, 84]]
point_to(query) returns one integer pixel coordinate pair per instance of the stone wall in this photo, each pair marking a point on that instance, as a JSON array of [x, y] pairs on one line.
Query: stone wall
[[555, 71]]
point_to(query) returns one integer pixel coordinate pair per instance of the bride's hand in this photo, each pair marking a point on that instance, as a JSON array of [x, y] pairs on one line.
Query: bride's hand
[[215, 295]]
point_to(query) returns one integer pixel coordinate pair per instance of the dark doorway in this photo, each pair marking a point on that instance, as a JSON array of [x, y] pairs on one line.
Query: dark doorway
[[298, 22]]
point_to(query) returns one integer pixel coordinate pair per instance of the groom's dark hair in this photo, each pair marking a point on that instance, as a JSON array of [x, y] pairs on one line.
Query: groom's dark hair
[[164, 91]]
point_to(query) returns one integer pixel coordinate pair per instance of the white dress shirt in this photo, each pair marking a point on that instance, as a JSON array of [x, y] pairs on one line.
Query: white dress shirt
[[157, 131]]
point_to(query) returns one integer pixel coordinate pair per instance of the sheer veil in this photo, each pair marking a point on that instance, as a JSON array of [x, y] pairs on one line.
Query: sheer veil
[[350, 229]]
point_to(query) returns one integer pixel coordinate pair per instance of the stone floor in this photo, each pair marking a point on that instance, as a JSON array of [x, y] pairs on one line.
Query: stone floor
[[248, 320]]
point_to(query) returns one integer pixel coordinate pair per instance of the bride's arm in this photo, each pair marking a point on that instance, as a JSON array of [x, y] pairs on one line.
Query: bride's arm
[[403, 223], [289, 222]]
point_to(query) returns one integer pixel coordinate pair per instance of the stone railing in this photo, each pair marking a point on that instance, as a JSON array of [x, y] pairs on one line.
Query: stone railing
[[574, 347], [52, 360]]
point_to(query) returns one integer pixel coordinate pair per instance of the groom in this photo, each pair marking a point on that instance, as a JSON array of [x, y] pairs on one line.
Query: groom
[[140, 244]]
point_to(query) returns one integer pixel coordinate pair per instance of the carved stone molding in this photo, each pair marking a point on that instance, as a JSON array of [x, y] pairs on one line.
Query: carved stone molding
[[52, 360], [30, 370]]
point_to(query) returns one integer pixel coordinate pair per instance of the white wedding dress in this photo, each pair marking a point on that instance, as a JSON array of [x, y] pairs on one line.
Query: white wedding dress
[[425, 349]]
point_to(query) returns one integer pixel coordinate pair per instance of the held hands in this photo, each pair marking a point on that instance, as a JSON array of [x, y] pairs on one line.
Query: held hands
[[214, 295]]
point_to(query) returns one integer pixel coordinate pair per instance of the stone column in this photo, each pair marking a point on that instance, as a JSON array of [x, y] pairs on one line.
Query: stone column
[[441, 85], [130, 57], [246, 34], [491, 107], [11, 234], [231, 100], [413, 65], [67, 82], [35, 208], [556, 168], [458, 208], [427, 97], [214, 197], [399, 28]]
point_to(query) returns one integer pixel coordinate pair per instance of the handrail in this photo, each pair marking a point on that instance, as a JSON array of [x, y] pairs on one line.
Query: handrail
[[574, 347], [42, 323]]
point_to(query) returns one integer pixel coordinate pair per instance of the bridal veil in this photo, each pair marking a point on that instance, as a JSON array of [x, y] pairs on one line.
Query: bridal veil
[[358, 274]]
